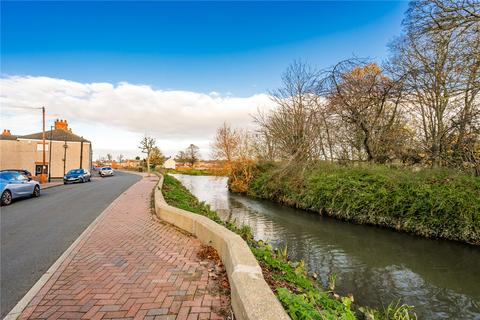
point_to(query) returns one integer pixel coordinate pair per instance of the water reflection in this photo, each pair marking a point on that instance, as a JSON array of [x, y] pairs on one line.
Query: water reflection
[[441, 278]]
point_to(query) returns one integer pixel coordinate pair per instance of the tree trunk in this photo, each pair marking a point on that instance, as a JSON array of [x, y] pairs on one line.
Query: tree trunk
[[148, 163]]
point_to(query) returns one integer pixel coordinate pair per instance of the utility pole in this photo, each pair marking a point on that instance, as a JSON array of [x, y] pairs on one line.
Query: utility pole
[[81, 154], [43, 177], [50, 156], [65, 146]]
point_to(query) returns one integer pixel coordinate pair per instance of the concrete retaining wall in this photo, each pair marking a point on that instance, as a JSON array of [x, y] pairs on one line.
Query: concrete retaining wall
[[252, 298]]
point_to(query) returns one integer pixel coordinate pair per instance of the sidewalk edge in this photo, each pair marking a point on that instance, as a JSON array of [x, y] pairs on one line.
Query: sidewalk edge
[[21, 305], [52, 186]]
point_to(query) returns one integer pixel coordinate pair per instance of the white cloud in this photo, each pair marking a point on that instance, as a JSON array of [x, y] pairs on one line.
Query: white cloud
[[114, 116]]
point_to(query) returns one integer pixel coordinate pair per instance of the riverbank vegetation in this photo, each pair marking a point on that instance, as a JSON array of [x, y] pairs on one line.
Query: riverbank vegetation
[[190, 171], [437, 203], [300, 293], [393, 144]]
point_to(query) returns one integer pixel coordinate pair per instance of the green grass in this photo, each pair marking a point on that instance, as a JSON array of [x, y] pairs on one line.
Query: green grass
[[431, 203], [191, 172], [177, 195], [301, 295]]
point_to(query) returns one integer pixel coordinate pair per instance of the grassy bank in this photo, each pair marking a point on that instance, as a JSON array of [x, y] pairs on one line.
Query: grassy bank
[[191, 172], [300, 294], [431, 203]]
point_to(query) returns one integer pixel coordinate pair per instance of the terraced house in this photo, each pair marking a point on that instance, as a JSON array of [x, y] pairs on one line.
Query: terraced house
[[64, 150]]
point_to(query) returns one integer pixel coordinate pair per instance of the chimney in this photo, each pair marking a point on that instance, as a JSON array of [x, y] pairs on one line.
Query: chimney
[[61, 124], [6, 132]]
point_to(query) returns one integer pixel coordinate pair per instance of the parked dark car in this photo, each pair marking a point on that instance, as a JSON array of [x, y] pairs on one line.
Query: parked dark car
[[77, 175], [26, 173], [14, 185]]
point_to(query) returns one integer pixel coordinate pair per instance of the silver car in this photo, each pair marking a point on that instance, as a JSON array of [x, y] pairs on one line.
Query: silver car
[[106, 171], [15, 185]]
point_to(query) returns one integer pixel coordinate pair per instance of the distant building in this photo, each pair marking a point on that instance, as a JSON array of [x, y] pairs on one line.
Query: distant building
[[129, 164], [63, 151], [205, 165], [170, 163]]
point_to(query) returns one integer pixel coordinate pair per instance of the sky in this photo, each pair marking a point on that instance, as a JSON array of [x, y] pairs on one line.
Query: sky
[[172, 70]]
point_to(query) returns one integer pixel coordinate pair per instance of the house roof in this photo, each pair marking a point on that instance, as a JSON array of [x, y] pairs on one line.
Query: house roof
[[8, 137], [56, 134]]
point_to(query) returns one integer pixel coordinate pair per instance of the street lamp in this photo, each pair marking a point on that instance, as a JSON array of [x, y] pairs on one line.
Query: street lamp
[[50, 156], [65, 146], [44, 167]]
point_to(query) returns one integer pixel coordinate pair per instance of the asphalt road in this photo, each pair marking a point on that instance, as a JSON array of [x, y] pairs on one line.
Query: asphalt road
[[35, 232]]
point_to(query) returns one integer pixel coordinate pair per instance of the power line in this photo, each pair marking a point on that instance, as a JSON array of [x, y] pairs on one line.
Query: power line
[[23, 107]]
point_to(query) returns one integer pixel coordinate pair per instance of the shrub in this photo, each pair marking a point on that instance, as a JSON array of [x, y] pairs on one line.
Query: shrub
[[431, 203]]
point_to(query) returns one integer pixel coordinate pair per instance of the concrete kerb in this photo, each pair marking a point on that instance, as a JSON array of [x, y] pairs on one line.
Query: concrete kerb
[[23, 303], [252, 298], [43, 187]]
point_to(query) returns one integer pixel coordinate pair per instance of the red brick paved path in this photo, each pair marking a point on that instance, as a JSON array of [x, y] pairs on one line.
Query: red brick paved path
[[131, 267]]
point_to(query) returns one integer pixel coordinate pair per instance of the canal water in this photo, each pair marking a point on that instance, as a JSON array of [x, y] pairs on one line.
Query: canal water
[[440, 278]]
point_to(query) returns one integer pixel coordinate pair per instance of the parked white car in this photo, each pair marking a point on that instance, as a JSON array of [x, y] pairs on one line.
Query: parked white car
[[106, 171]]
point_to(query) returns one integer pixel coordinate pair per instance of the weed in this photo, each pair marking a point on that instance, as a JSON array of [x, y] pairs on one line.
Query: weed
[[332, 278]]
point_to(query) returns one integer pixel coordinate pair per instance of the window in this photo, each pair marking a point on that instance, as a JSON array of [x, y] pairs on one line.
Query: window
[[20, 177], [6, 175], [40, 147]]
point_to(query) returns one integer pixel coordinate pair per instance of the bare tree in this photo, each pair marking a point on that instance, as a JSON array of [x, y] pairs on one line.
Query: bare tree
[[264, 146], [109, 157], [181, 157], [443, 15], [421, 106], [120, 158], [240, 171], [439, 54], [147, 144], [225, 143], [293, 126], [190, 155], [367, 101]]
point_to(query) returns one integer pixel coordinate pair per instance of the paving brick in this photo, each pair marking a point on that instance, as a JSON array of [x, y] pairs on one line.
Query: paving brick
[[92, 312], [110, 307], [130, 266], [157, 312], [114, 314], [200, 309]]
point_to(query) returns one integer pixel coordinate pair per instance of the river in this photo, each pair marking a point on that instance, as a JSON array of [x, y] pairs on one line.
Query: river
[[440, 278]]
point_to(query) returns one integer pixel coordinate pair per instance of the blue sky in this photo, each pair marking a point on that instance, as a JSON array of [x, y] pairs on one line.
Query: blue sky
[[238, 47], [172, 70]]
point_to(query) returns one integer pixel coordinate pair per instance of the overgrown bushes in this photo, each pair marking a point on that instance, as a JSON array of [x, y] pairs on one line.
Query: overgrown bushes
[[432, 203], [300, 294]]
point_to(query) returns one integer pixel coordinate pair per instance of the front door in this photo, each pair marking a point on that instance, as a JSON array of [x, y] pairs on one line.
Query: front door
[[38, 169]]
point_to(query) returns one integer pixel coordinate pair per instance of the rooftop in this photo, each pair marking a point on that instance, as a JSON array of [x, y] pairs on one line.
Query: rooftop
[[55, 134], [60, 133]]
